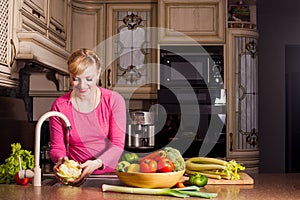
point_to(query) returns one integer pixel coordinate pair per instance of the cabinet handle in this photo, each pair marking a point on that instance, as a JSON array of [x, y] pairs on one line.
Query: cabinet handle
[[58, 30], [13, 53], [108, 78], [230, 141], [34, 12], [243, 92]]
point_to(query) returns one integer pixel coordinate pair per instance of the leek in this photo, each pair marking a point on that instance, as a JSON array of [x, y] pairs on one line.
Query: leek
[[177, 192], [200, 194], [194, 191]]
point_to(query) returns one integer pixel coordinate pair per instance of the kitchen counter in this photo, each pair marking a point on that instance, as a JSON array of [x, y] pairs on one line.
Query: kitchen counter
[[266, 186]]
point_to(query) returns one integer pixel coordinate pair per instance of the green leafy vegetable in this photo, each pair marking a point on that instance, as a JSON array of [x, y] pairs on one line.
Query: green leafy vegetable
[[232, 169], [176, 157], [11, 165]]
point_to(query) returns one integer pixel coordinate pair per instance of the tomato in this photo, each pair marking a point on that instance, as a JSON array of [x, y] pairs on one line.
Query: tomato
[[19, 181], [156, 155], [148, 165], [179, 185], [159, 155], [165, 165]]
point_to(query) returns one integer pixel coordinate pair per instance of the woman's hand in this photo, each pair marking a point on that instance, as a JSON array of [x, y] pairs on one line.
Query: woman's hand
[[56, 167], [88, 168]]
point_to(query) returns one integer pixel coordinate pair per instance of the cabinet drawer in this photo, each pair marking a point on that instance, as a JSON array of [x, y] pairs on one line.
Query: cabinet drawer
[[34, 16], [58, 13]]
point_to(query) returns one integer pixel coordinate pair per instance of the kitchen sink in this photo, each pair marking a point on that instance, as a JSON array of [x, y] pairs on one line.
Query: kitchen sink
[[91, 181]]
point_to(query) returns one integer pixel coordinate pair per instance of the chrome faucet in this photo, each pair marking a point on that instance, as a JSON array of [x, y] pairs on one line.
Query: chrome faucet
[[37, 179]]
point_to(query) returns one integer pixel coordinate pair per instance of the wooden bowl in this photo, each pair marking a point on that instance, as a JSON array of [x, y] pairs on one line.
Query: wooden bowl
[[150, 180]]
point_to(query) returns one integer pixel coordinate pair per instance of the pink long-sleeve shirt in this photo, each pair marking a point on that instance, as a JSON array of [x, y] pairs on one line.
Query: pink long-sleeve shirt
[[97, 134]]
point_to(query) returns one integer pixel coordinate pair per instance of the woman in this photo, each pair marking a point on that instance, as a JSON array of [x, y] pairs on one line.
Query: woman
[[97, 117]]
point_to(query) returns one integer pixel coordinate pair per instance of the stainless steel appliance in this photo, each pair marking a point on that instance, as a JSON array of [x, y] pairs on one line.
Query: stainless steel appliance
[[141, 131]]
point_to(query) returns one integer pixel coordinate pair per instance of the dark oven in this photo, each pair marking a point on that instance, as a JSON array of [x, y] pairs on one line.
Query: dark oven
[[193, 100]]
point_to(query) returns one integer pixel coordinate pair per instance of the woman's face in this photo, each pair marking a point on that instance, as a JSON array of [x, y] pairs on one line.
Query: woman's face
[[84, 83]]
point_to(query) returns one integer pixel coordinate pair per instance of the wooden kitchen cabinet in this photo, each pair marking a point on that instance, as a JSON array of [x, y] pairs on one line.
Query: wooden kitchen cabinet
[[34, 37], [48, 17], [130, 51], [34, 31], [34, 15], [59, 19], [88, 28], [7, 50], [127, 54], [199, 20], [242, 94]]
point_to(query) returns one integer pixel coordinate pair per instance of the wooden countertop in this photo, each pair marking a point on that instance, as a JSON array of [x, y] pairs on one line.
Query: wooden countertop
[[266, 186]]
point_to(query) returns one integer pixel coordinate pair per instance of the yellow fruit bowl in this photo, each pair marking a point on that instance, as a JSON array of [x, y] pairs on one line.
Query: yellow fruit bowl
[[150, 180]]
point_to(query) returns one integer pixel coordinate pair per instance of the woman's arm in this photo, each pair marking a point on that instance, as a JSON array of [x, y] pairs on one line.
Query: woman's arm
[[117, 132]]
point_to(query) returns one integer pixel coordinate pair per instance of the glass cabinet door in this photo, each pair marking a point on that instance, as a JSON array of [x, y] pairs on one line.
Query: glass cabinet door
[[242, 92], [246, 94], [130, 53]]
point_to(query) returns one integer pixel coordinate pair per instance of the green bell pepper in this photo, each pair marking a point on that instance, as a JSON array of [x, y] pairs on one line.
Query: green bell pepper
[[198, 180]]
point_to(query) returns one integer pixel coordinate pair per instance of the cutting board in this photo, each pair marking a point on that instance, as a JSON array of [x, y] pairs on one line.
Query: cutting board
[[245, 179]]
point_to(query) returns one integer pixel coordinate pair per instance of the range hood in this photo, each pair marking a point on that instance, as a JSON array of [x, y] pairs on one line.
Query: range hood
[[33, 47], [38, 73]]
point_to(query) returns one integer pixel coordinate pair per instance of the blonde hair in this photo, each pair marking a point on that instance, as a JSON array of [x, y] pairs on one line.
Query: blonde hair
[[81, 59]]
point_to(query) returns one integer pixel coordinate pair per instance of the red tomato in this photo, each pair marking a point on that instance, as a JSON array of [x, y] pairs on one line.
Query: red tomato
[[179, 185], [165, 165], [159, 155], [148, 165], [19, 181]]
